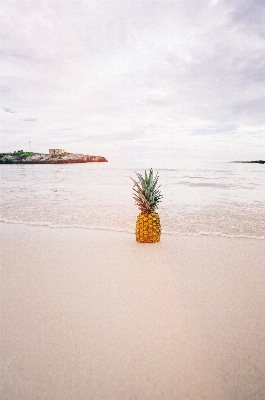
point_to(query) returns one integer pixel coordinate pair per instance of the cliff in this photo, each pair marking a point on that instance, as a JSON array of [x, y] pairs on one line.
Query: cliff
[[33, 158]]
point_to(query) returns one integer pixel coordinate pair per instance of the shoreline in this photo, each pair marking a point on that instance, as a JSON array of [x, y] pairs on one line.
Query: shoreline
[[127, 230], [94, 314]]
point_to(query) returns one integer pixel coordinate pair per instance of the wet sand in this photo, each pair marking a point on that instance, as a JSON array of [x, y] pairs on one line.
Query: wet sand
[[95, 315]]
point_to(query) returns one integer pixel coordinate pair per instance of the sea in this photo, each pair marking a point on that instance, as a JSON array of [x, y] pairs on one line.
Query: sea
[[212, 198]]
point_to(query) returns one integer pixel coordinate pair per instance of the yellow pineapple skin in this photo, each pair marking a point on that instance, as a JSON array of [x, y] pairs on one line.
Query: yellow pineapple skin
[[148, 228]]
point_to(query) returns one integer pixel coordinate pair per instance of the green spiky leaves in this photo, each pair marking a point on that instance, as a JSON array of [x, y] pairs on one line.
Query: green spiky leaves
[[146, 194]]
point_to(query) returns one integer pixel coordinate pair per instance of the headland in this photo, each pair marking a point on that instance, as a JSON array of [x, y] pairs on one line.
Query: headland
[[250, 162], [21, 157]]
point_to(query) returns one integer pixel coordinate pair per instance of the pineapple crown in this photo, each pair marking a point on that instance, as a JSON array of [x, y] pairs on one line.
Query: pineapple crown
[[146, 194]]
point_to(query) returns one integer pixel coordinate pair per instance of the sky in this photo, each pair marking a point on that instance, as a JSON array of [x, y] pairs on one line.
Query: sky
[[134, 80]]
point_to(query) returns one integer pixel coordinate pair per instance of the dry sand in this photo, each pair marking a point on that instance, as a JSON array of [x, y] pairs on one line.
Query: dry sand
[[95, 315]]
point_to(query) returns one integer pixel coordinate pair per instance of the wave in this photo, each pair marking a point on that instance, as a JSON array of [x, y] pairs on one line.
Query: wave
[[130, 231], [205, 184], [203, 233]]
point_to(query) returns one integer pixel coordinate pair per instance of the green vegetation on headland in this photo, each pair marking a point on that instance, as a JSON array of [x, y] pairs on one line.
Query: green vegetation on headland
[[250, 162], [20, 153], [23, 157]]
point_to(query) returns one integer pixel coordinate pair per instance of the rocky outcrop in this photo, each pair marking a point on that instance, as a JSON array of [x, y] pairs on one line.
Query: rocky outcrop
[[65, 158]]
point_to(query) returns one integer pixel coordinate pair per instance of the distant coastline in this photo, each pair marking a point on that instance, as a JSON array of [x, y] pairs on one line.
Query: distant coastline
[[21, 157], [250, 162]]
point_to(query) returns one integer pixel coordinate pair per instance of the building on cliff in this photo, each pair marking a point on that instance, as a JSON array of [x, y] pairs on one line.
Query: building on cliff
[[56, 151]]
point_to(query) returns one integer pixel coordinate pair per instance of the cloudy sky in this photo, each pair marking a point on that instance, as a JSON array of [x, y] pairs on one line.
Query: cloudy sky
[[143, 80]]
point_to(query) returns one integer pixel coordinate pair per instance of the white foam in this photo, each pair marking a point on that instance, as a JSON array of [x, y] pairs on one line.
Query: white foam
[[203, 233], [131, 231]]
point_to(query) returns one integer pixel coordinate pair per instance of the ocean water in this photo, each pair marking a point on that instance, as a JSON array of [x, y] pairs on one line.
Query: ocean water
[[212, 198]]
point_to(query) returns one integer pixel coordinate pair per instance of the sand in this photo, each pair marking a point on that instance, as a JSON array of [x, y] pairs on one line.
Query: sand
[[95, 315]]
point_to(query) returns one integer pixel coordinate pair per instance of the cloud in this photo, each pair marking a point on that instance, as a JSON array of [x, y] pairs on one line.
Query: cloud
[[125, 75], [215, 130], [249, 15], [8, 110]]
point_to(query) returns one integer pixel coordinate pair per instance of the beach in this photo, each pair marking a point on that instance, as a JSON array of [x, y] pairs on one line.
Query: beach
[[92, 314]]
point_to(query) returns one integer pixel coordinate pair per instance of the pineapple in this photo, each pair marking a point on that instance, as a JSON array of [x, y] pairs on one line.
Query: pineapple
[[147, 197]]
